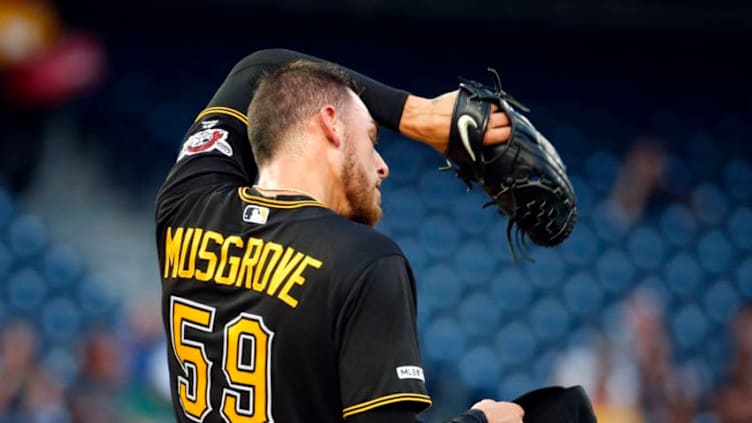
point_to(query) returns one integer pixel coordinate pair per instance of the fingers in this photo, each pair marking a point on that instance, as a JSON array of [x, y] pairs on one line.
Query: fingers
[[498, 129], [498, 119], [500, 411], [497, 135]]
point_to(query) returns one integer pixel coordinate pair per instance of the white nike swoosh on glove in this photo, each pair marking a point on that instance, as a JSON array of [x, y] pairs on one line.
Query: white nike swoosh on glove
[[463, 123]]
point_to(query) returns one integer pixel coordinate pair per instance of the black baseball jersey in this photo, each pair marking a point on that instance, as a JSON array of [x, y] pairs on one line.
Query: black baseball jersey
[[276, 309]]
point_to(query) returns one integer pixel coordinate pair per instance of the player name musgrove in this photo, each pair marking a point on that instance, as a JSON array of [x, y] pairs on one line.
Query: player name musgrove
[[251, 263]]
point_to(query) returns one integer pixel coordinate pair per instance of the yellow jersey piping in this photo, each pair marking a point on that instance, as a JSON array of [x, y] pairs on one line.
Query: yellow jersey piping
[[278, 204], [223, 111], [388, 399]]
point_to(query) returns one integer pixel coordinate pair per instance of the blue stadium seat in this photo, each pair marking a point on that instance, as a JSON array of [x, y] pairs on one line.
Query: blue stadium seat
[[582, 246], [439, 287], [437, 189], [721, 301], [709, 203], [609, 222], [683, 274], [615, 271], [511, 290], [27, 235], [94, 298], [515, 344], [405, 159], [678, 225], [60, 320], [478, 314], [740, 228], [25, 291], [582, 295], [547, 270], [439, 236], [62, 267], [403, 211], [469, 214], [714, 251], [737, 175], [689, 326], [516, 384], [444, 340], [474, 263], [549, 319], [646, 248], [479, 368]]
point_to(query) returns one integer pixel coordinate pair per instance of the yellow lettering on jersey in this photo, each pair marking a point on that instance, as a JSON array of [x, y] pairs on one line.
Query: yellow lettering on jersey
[[208, 256], [264, 267], [252, 252], [286, 264], [227, 259], [297, 279], [172, 251], [188, 264], [182, 273], [269, 248]]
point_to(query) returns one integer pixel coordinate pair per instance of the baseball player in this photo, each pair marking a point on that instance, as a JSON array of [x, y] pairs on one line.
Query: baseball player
[[279, 300]]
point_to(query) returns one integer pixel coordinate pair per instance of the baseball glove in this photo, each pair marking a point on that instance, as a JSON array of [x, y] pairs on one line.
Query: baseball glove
[[524, 176]]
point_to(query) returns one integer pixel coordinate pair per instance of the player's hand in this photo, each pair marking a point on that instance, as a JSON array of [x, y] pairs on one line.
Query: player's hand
[[500, 411], [429, 121]]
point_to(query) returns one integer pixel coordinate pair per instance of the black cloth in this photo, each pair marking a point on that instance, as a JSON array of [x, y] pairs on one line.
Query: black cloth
[[556, 404]]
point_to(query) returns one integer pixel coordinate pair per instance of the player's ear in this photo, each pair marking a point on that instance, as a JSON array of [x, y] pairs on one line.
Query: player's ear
[[329, 120]]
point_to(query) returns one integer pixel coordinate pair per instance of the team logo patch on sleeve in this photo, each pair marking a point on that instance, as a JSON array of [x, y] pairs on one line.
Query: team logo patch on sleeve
[[410, 372], [209, 139]]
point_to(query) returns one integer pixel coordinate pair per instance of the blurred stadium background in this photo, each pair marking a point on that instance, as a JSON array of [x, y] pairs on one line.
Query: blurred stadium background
[[647, 305]]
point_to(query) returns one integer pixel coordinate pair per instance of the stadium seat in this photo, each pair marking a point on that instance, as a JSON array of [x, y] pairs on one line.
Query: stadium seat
[[515, 344], [60, 320], [740, 228], [478, 315], [27, 236], [444, 340], [439, 236], [26, 291], [582, 295], [714, 251], [646, 248], [615, 271], [479, 368], [474, 263], [683, 274], [678, 225]]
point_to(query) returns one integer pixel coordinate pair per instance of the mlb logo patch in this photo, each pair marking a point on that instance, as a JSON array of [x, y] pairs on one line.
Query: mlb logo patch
[[256, 214]]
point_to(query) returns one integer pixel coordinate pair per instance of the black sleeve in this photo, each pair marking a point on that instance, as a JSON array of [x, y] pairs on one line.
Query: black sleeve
[[379, 357], [397, 413], [384, 102]]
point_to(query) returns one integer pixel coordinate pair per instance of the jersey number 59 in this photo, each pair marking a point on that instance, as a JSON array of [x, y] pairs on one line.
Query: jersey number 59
[[246, 372]]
